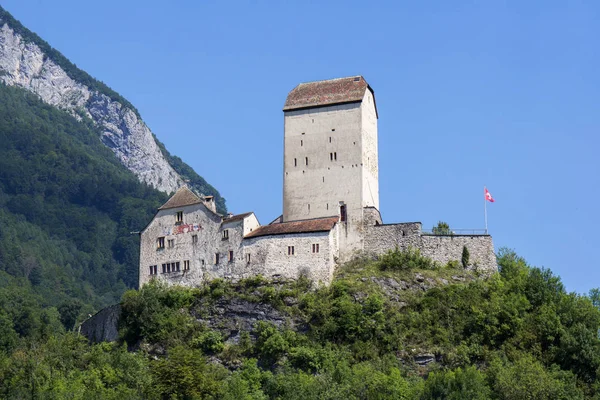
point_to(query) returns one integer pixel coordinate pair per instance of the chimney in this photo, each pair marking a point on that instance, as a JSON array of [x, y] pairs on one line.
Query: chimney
[[209, 202]]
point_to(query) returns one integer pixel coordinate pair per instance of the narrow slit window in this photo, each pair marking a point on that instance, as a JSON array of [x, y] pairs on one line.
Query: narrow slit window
[[155, 269], [329, 139], [186, 265], [295, 162], [306, 160], [216, 258], [248, 258], [330, 156], [194, 239], [151, 269], [343, 214], [230, 255], [301, 142], [290, 250], [315, 247], [335, 156]]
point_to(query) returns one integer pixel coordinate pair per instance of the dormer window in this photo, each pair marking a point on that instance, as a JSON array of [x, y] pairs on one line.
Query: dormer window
[[179, 217]]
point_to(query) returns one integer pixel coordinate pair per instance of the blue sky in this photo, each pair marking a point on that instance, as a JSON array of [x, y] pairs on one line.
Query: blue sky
[[503, 94]]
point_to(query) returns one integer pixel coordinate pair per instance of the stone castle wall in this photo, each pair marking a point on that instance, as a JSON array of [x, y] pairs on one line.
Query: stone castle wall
[[440, 248]]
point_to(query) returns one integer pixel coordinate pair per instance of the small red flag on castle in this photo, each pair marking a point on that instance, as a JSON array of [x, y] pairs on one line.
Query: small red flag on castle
[[488, 196]]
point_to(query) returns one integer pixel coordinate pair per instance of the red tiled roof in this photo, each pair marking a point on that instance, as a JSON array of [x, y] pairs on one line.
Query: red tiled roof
[[183, 197], [235, 218], [326, 93], [309, 225]]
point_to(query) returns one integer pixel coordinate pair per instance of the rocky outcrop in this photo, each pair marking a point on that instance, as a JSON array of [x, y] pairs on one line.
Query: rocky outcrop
[[25, 65], [102, 326]]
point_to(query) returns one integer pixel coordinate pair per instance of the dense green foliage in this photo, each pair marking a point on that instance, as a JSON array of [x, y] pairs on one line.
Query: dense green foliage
[[516, 335], [67, 208]]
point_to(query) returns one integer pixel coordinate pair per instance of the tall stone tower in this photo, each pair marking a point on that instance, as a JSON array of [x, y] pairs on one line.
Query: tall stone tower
[[330, 153]]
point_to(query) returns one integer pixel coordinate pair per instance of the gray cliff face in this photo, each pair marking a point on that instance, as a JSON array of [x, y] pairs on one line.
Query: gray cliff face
[[25, 65]]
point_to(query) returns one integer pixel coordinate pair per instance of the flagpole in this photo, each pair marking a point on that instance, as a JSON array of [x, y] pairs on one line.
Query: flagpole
[[485, 210]]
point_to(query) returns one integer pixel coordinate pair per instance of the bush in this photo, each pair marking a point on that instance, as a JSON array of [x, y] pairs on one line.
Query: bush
[[442, 228], [397, 260], [465, 257]]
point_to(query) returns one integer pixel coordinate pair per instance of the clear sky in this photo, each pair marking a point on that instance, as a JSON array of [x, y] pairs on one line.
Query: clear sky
[[473, 93]]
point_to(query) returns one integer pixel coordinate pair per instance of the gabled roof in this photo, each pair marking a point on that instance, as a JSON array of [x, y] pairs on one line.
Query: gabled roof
[[238, 217], [309, 225], [327, 93], [183, 197]]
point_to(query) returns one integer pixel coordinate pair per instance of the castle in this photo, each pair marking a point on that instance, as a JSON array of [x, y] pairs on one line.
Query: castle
[[330, 205]]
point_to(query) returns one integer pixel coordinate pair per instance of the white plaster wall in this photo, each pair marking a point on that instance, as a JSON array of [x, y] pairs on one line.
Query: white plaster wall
[[370, 155], [269, 256], [322, 183], [201, 255]]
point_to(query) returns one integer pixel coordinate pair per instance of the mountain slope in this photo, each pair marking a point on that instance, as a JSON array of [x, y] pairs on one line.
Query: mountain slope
[[67, 206], [29, 62]]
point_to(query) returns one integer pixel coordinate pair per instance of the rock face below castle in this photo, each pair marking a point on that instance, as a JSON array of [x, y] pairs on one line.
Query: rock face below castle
[[25, 65]]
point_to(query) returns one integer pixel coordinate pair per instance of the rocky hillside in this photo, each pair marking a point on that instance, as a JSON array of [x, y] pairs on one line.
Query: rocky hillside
[[29, 62], [395, 328]]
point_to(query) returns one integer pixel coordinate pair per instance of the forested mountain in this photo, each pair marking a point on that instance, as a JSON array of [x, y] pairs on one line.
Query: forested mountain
[[397, 328], [27, 61], [67, 206]]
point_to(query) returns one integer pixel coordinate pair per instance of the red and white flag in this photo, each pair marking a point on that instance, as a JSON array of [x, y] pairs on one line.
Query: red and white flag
[[488, 196]]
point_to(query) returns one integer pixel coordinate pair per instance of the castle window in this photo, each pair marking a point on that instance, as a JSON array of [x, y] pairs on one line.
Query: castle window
[[216, 258], [343, 215], [248, 258], [194, 239], [329, 139], [186, 265], [290, 250], [168, 267], [332, 129], [179, 217], [155, 269], [202, 261], [308, 207], [176, 267], [330, 156], [226, 234], [152, 269], [164, 268], [295, 162], [160, 243], [335, 156], [315, 247], [171, 243], [230, 255], [301, 142], [306, 160], [305, 132], [323, 179]]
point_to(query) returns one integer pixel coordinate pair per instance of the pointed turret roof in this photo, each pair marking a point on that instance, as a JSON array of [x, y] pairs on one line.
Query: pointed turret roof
[[183, 197]]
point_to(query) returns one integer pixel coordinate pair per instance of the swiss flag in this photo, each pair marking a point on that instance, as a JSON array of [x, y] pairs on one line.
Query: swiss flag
[[488, 196]]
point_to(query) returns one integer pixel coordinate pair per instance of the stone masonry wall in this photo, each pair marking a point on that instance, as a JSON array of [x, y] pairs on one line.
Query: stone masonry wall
[[442, 249]]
